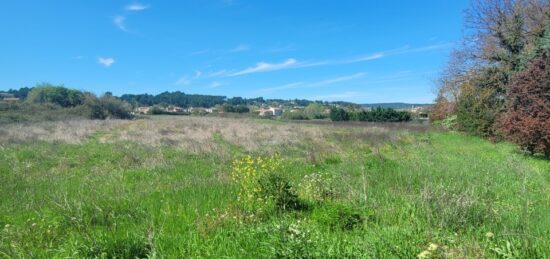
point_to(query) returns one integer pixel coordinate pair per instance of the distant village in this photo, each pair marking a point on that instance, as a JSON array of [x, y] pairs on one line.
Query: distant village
[[287, 109], [262, 111]]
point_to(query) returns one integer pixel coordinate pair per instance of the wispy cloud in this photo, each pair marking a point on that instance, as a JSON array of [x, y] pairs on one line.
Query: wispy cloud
[[340, 96], [183, 81], [240, 48], [215, 84], [187, 80], [136, 7], [120, 22], [292, 63], [77, 57], [106, 61], [321, 83], [264, 67]]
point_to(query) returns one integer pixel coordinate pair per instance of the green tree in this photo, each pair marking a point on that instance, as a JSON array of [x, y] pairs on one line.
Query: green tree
[[59, 95]]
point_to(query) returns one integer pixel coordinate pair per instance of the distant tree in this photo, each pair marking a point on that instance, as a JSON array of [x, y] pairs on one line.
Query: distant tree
[[115, 107], [21, 93], [339, 114], [315, 111], [235, 108], [59, 95], [527, 121], [296, 115]]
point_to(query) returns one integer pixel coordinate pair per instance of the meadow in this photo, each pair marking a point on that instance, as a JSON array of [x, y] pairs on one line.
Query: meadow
[[184, 186]]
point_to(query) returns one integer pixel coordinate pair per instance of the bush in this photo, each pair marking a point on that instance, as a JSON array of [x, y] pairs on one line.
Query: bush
[[527, 120], [276, 188], [261, 185], [296, 115], [59, 95], [338, 216], [115, 107]]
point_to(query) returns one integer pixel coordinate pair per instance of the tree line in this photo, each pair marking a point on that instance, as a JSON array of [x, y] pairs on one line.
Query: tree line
[[497, 82], [378, 114], [184, 100]]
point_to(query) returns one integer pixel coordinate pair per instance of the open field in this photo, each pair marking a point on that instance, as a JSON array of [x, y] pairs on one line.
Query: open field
[[163, 187]]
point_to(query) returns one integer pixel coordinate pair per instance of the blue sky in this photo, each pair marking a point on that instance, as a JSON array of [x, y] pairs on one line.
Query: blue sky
[[358, 51]]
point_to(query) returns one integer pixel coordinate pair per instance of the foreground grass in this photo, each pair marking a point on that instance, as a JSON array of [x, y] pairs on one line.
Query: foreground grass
[[443, 193]]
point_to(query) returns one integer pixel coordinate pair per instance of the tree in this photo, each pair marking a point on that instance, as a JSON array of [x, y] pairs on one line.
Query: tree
[[115, 107], [527, 121], [59, 95], [339, 114], [315, 111]]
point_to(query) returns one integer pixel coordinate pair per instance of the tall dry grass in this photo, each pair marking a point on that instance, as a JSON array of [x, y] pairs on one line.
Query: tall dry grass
[[208, 134]]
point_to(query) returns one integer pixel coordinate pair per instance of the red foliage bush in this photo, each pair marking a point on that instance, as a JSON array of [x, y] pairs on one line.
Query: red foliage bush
[[527, 119]]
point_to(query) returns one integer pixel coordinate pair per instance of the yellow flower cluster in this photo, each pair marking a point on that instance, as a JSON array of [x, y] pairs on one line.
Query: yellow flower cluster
[[247, 171]]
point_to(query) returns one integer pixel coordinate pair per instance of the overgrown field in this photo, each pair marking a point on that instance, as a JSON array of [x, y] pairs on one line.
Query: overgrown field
[[180, 187]]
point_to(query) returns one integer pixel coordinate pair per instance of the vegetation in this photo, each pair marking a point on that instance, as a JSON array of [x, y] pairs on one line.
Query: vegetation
[[496, 84], [375, 115], [527, 120], [46, 102], [215, 187], [235, 108]]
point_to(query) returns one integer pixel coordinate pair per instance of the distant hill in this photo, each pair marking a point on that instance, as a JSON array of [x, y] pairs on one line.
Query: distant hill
[[395, 105]]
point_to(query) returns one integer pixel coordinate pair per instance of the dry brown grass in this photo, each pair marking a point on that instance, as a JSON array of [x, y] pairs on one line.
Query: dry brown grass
[[207, 134], [70, 131]]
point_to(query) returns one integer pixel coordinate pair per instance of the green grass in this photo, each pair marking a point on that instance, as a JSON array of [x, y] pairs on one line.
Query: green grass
[[130, 200]]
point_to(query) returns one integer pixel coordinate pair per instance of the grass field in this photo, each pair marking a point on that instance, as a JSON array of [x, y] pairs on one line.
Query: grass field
[[163, 187]]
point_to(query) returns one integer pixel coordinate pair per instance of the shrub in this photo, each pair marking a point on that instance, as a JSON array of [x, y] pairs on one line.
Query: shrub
[[527, 120], [278, 190], [261, 185], [59, 95], [296, 115], [338, 216], [115, 107]]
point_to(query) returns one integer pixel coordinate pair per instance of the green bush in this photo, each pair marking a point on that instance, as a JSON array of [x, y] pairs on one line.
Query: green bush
[[277, 188], [59, 95], [296, 115], [115, 107], [262, 187]]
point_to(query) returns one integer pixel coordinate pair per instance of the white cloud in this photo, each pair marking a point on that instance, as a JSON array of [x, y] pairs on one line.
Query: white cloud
[[183, 81], [106, 61], [136, 7], [240, 48], [345, 96], [292, 63], [311, 84], [215, 84], [120, 22], [187, 80], [282, 87], [336, 80], [264, 67]]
